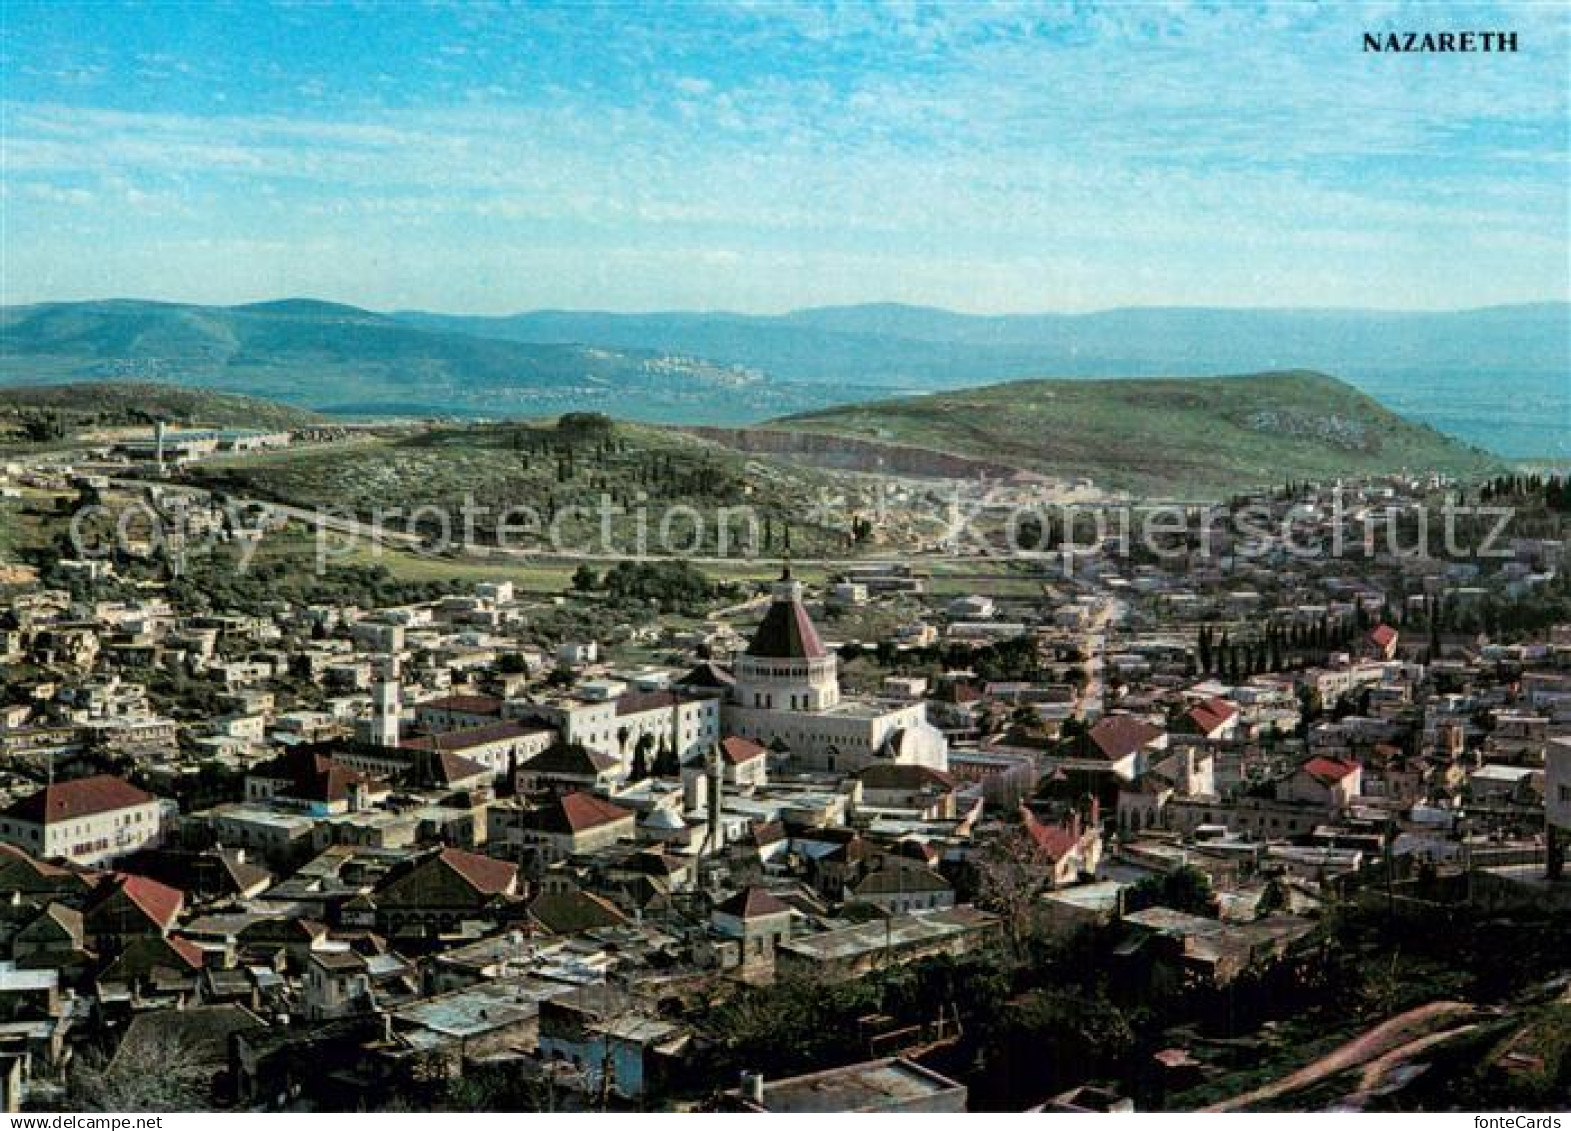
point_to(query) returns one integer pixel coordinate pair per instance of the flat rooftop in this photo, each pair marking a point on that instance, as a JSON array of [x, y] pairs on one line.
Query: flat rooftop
[[900, 931], [871, 1086], [478, 1009], [1098, 897]]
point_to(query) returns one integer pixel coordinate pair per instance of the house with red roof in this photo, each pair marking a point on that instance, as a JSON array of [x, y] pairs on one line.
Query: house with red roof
[[902, 887], [1067, 848], [312, 780], [744, 762], [750, 925], [26, 879], [90, 821], [1330, 782], [1215, 718], [919, 792], [570, 825], [155, 965], [458, 712], [498, 746], [1382, 641], [432, 894], [567, 767], [1123, 744], [125, 906]]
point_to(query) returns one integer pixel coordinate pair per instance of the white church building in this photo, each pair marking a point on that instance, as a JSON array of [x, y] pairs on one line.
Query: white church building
[[786, 695]]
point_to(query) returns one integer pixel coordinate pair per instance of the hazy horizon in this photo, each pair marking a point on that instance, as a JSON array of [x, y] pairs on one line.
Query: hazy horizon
[[788, 311], [635, 159]]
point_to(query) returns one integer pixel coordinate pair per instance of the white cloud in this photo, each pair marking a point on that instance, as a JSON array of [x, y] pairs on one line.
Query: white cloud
[[875, 152]]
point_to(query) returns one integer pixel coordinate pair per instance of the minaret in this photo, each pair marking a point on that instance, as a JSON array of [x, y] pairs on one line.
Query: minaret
[[158, 444], [714, 839], [385, 704]]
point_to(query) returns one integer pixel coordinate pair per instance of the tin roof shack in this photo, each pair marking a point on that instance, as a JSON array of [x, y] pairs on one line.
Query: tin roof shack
[[1202, 952], [889, 1086], [852, 951], [323, 1065], [612, 1042], [482, 1020], [28, 994], [1061, 913]]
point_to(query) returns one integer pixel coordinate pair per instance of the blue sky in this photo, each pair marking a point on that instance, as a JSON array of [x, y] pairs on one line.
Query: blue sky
[[765, 156]]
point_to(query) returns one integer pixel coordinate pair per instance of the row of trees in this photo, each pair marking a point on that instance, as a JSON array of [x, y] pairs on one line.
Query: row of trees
[[1281, 646], [1554, 491]]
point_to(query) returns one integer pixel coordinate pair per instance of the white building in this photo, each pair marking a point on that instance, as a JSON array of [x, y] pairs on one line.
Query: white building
[[616, 722], [786, 695], [90, 821], [1557, 802]]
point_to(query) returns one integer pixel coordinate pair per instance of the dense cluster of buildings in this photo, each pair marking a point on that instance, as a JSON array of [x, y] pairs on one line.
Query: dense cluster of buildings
[[450, 848]]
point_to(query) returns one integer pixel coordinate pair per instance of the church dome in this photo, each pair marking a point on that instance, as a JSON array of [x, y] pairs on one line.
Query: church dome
[[786, 632]]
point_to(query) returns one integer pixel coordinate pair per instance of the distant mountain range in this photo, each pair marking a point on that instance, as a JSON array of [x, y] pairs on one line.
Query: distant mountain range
[[890, 344], [1500, 376], [341, 359]]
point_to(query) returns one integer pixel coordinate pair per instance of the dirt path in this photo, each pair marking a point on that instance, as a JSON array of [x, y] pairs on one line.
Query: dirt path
[[1396, 1034], [1379, 1071]]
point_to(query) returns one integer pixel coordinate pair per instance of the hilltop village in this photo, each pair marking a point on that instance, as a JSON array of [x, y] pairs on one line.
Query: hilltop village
[[1106, 834]]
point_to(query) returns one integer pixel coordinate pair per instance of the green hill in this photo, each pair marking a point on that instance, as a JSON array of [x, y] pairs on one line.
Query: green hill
[[110, 403], [604, 486], [1191, 436]]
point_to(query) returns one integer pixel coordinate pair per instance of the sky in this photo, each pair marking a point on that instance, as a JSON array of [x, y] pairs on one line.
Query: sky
[[489, 158]]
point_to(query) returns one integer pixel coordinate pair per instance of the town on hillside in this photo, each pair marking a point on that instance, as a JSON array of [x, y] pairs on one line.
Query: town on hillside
[[1237, 828]]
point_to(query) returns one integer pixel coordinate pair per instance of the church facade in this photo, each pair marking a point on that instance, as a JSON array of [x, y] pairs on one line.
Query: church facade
[[786, 695]]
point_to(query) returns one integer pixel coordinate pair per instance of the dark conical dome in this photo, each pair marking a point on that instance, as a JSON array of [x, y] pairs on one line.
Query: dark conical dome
[[787, 633]]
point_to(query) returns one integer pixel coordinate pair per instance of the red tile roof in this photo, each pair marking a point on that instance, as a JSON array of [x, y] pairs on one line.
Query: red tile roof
[[572, 814], [637, 702], [71, 800], [463, 704], [1329, 769], [456, 768], [1118, 736], [313, 775], [584, 811], [40, 868], [1056, 841], [1383, 636], [569, 759], [470, 737], [752, 903], [1212, 713], [188, 951], [736, 750], [904, 775], [159, 902], [485, 874]]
